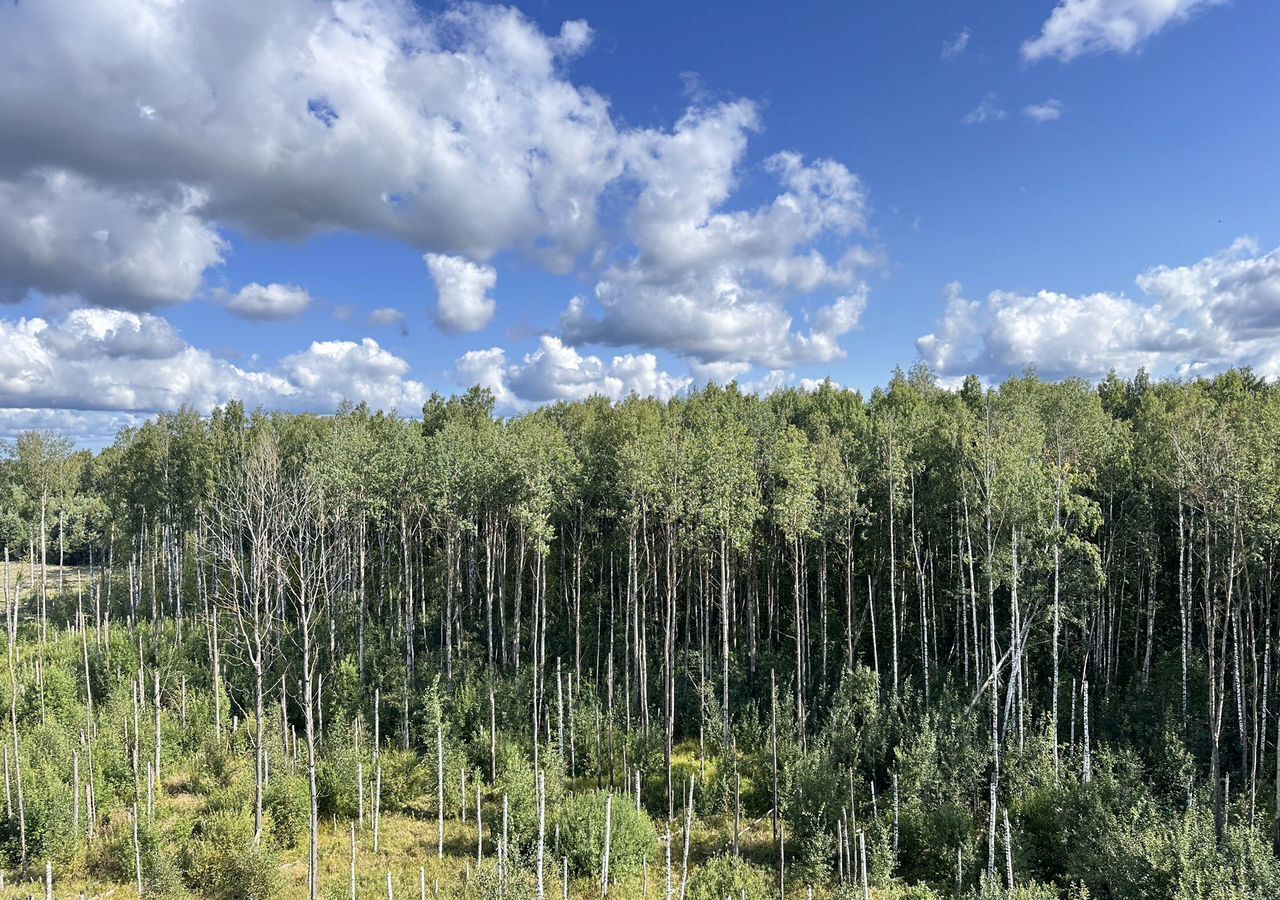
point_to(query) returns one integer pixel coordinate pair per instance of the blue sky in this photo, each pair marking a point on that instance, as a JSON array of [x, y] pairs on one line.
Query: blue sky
[[211, 201]]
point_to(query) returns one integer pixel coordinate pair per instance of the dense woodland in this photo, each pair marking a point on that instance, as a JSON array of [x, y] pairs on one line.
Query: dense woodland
[[987, 642]]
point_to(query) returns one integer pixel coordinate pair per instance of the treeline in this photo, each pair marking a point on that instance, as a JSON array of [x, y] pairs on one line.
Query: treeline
[[953, 625]]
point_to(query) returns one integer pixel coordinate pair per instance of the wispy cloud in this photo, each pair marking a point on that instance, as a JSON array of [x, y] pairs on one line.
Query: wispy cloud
[[1048, 111], [956, 45], [989, 110]]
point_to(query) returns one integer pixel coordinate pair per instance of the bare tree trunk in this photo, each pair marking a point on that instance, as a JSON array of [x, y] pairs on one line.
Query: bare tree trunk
[[13, 611], [608, 835]]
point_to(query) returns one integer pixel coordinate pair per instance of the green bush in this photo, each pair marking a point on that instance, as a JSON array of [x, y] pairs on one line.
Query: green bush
[[220, 861], [516, 780], [918, 892], [815, 794], [1149, 856], [115, 859], [236, 798], [287, 803], [336, 788], [726, 876], [993, 889], [47, 800], [215, 765], [581, 818], [519, 884], [406, 776]]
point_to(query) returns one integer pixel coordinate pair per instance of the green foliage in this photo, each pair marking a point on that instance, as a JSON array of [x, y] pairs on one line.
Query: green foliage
[[486, 884], [48, 804], [725, 876], [336, 790], [407, 776], [993, 889], [583, 530], [518, 782], [581, 818], [287, 803], [816, 792], [1147, 856], [220, 860], [115, 859]]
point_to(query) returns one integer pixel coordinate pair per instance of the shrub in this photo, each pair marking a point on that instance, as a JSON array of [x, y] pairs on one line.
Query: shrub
[[287, 803], [115, 859], [336, 788], [235, 798], [518, 884], [48, 811], [517, 782], [215, 765], [816, 792], [406, 776], [992, 889], [918, 892], [581, 818], [726, 876], [220, 861]]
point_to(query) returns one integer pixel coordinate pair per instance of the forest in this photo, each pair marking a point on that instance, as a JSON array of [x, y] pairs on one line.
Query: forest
[[1007, 641]]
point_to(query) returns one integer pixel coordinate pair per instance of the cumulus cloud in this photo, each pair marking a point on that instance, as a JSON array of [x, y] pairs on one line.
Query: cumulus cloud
[[487, 368], [956, 45], [462, 288], [109, 360], [776, 380], [140, 133], [987, 110], [93, 429], [110, 334], [268, 302], [1219, 312], [556, 371], [1048, 111], [61, 233], [457, 130], [1079, 27], [157, 123], [712, 284], [328, 372], [389, 317], [720, 371]]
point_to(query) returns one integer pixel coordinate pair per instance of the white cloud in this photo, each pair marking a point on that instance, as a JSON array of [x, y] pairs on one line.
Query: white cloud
[[779, 379], [462, 287], [61, 233], [328, 372], [387, 316], [92, 429], [721, 371], [1048, 111], [987, 110], [956, 45], [108, 360], [456, 132], [712, 284], [486, 368], [141, 131], [555, 371], [268, 302], [1078, 27], [111, 334], [1220, 312]]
